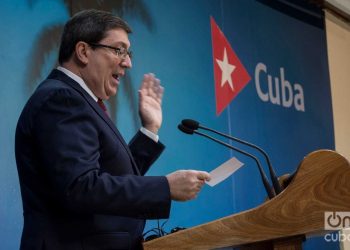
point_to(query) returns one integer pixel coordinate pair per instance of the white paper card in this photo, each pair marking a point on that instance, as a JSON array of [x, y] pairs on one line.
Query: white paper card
[[224, 171]]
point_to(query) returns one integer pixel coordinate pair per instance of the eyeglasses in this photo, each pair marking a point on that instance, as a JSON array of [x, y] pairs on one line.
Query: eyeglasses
[[120, 51]]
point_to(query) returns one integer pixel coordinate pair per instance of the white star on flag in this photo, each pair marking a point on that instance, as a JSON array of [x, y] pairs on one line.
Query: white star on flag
[[227, 70]]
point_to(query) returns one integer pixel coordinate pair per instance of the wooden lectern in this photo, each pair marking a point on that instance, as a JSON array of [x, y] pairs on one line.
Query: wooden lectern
[[321, 184]]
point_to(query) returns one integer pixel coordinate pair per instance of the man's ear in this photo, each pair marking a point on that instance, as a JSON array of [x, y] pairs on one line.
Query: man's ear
[[82, 52]]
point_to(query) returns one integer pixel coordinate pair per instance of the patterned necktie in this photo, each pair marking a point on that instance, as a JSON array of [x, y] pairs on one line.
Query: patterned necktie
[[103, 106]]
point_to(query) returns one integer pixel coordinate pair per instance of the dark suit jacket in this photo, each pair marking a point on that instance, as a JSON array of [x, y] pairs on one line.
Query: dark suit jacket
[[82, 186]]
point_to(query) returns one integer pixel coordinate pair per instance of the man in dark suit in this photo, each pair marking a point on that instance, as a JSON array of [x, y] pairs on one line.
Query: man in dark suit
[[82, 186]]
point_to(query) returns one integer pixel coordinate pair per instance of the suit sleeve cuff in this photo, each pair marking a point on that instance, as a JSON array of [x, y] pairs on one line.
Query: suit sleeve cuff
[[150, 134]]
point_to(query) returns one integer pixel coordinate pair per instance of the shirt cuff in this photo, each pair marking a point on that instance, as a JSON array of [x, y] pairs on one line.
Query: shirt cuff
[[150, 134]]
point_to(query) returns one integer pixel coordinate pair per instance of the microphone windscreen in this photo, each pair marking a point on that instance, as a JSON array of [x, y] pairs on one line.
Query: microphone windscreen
[[189, 123], [184, 129]]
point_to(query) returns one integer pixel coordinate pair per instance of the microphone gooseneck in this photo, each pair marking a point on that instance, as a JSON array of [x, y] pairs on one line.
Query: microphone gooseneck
[[189, 123], [268, 188]]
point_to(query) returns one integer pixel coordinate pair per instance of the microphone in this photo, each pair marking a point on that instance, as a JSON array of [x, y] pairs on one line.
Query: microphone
[[269, 190], [192, 124]]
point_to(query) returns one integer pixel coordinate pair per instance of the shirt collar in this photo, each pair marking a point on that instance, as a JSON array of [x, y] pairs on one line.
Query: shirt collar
[[79, 80]]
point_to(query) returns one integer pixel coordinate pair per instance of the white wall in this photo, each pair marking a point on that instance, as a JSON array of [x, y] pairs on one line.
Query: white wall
[[338, 41]]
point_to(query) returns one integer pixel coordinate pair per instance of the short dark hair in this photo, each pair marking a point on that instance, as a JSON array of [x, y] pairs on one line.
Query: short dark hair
[[90, 26]]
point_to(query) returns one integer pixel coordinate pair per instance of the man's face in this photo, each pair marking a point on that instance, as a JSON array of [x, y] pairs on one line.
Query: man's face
[[105, 67]]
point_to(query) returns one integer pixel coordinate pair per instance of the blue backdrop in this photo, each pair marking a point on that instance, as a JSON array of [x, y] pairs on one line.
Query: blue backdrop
[[173, 40]]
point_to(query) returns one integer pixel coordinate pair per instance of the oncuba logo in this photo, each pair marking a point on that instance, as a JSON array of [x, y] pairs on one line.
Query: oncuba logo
[[336, 220], [231, 77]]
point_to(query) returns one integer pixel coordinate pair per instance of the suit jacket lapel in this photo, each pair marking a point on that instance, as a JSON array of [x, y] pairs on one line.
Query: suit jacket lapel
[[58, 75]]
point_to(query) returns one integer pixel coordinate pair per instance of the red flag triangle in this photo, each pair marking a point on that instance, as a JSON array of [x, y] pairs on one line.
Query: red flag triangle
[[229, 73]]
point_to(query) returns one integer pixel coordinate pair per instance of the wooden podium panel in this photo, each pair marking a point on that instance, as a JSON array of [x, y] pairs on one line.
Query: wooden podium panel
[[321, 184]]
